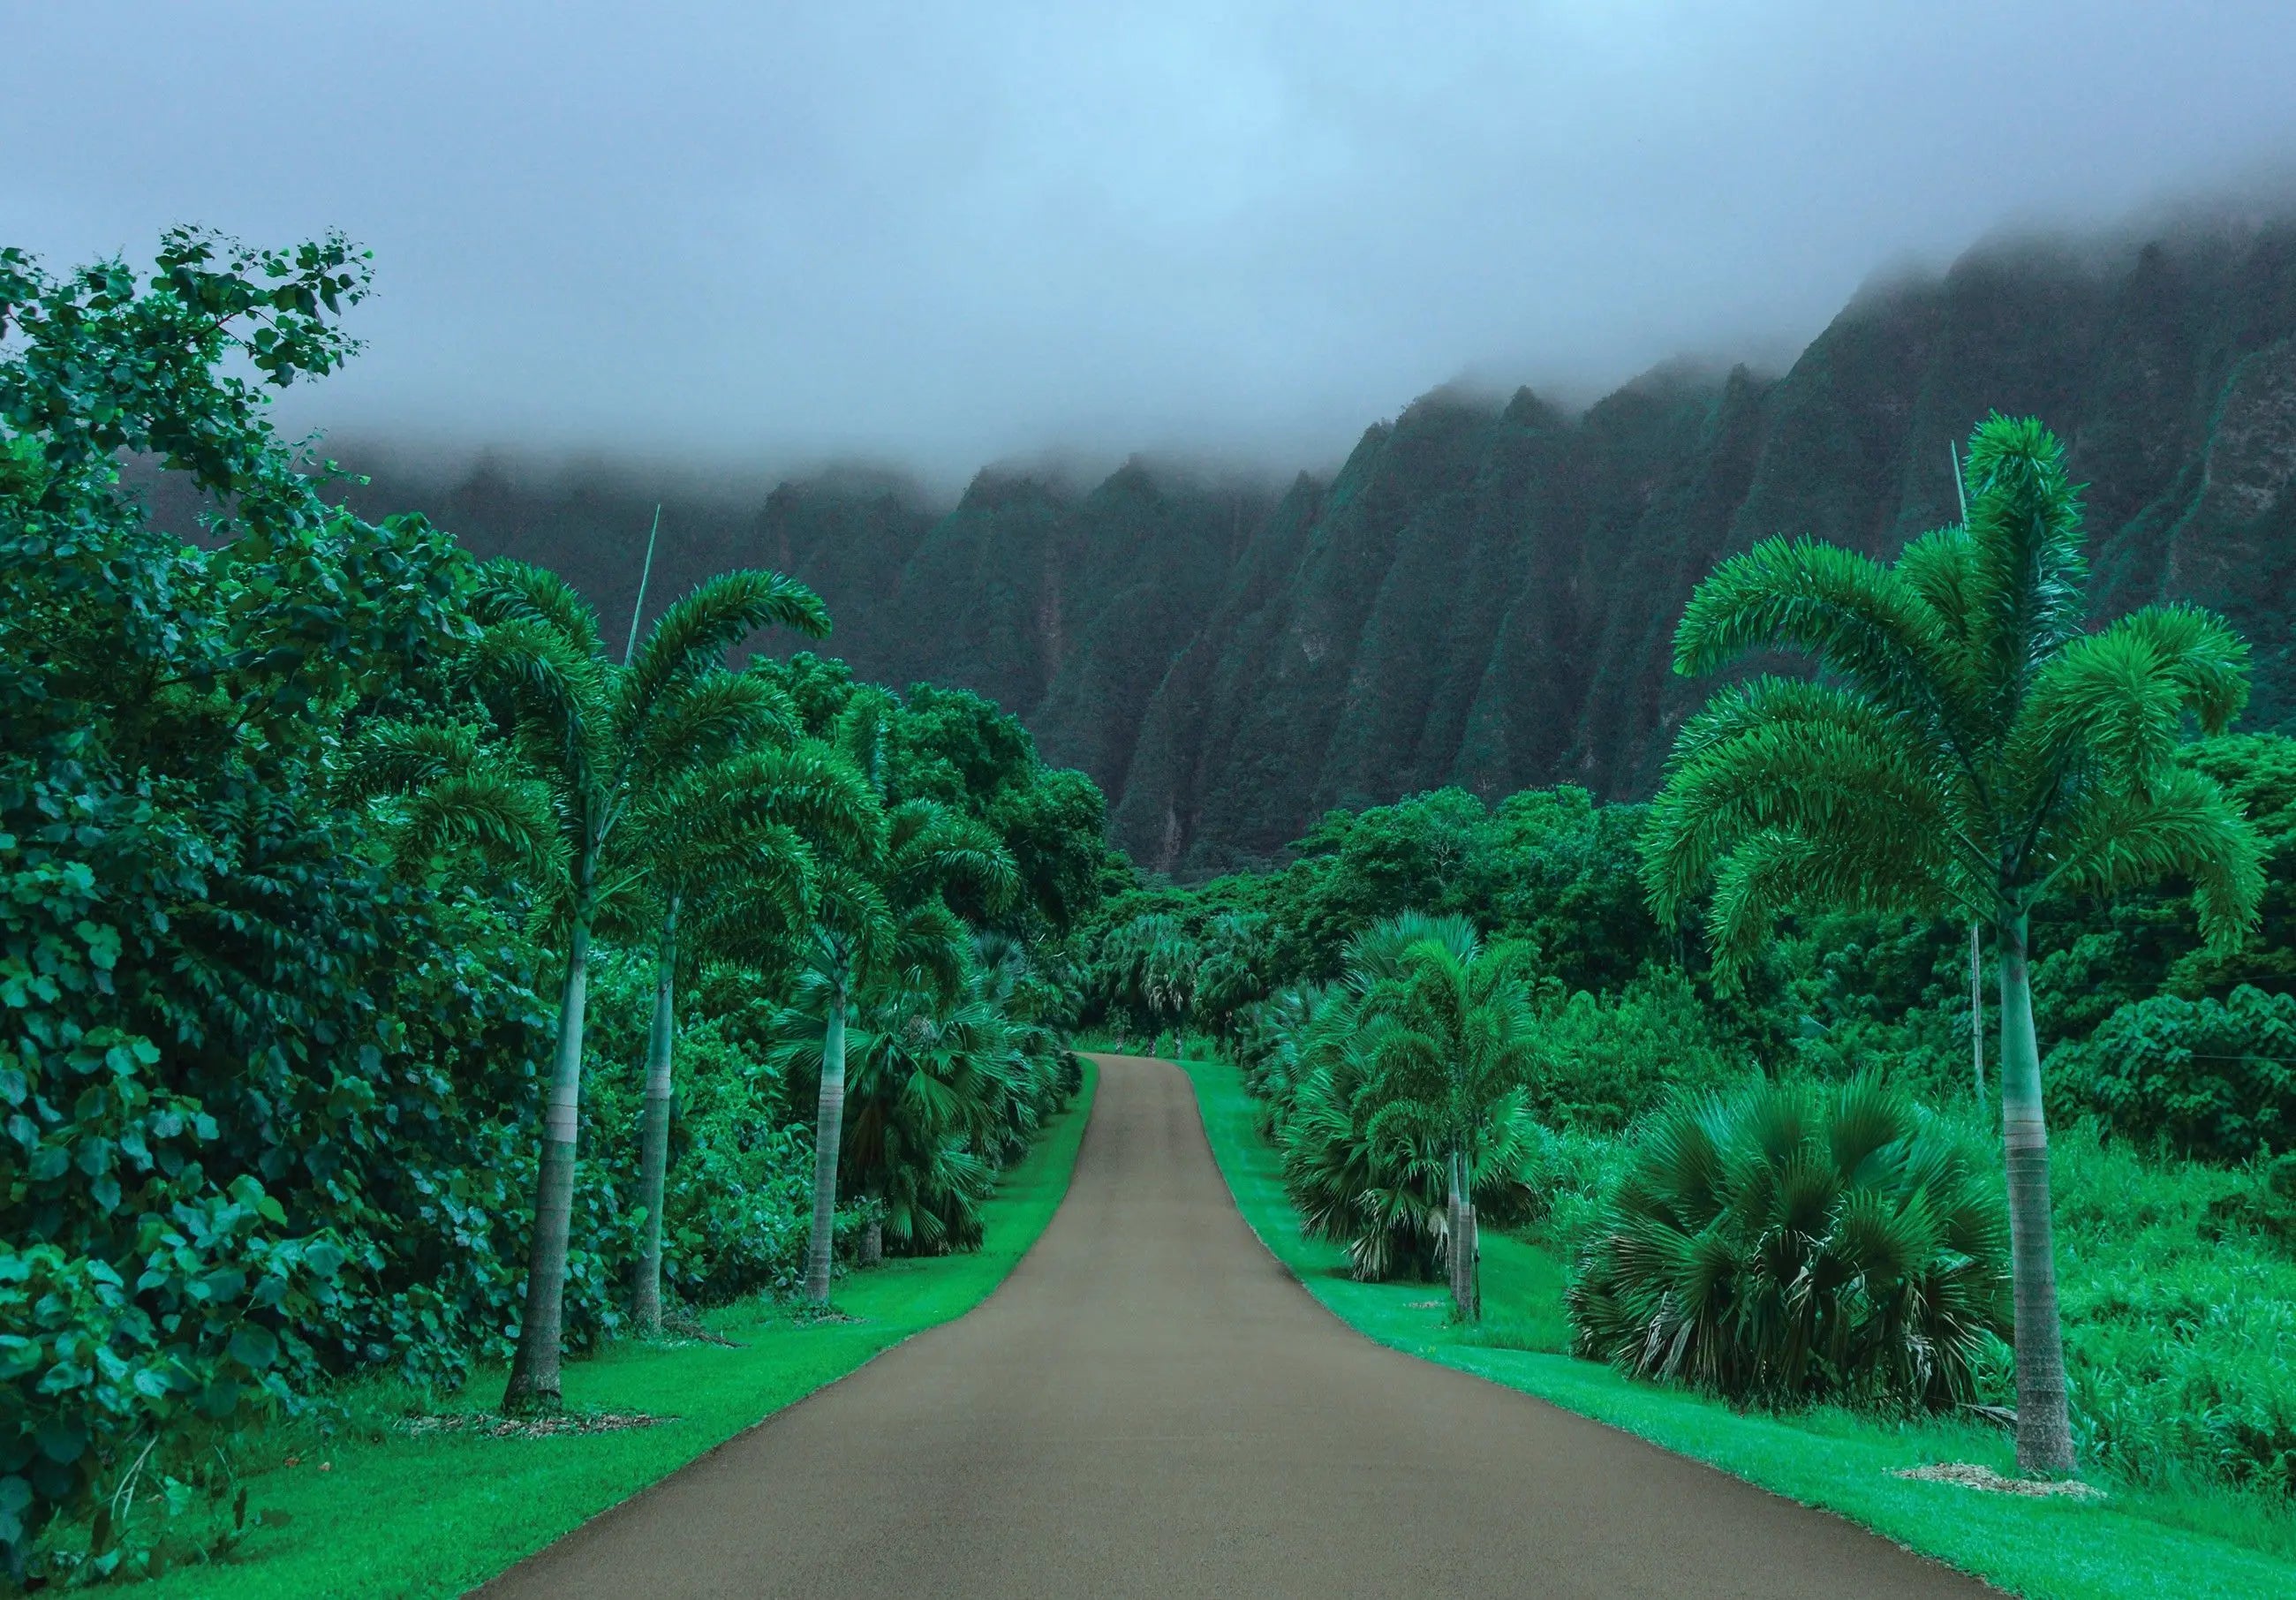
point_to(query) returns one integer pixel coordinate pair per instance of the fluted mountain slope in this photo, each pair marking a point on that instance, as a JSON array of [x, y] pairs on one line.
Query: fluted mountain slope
[[1484, 593]]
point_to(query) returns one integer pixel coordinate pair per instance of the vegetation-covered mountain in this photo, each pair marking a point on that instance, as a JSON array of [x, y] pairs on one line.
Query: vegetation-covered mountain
[[1484, 593]]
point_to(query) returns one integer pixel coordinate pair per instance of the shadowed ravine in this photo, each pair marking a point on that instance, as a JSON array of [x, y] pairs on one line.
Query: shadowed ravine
[[1152, 1405]]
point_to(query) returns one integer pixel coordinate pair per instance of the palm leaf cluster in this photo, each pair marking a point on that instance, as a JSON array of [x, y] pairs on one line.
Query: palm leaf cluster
[[1968, 746], [1408, 1079], [1791, 1245]]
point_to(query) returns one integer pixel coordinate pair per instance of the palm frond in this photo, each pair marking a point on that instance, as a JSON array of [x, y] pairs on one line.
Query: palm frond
[[1856, 616], [395, 756], [2181, 827], [509, 820], [511, 590], [707, 717], [2118, 700], [694, 633], [1843, 783], [2025, 536]]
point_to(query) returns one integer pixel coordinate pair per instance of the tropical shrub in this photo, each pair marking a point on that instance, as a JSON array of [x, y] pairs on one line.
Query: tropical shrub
[[1788, 1245], [2179, 1295], [1609, 1059], [2211, 1078], [1406, 1094]]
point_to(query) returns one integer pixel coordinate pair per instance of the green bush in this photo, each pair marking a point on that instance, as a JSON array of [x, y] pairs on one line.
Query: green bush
[[2179, 1305], [1789, 1245], [2209, 1079], [1608, 1060]]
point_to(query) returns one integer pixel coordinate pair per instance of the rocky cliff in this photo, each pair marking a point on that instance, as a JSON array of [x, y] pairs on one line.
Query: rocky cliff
[[1484, 594]]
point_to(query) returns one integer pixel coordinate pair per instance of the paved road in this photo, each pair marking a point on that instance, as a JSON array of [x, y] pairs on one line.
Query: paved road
[[1150, 1406]]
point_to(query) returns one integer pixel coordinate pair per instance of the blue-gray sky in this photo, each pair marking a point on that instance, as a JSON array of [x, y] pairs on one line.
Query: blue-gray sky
[[942, 233]]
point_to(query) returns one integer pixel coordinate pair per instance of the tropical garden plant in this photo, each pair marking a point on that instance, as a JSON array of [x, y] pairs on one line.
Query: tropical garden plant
[[1405, 1098], [1968, 749], [1786, 1245], [611, 743], [881, 919]]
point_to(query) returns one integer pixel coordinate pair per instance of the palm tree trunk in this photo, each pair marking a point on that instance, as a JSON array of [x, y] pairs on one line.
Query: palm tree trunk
[[534, 1384], [829, 1128], [2044, 1430], [653, 1136], [1460, 1245]]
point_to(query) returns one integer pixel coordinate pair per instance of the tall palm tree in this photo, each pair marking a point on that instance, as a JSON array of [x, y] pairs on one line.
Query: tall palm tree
[[606, 738], [1967, 749]]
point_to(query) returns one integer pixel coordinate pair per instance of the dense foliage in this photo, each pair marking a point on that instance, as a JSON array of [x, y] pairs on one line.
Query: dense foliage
[[297, 821], [2175, 1279], [1785, 1246]]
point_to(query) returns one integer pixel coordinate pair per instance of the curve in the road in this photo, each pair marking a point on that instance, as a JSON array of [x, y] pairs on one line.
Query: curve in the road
[[1152, 1405]]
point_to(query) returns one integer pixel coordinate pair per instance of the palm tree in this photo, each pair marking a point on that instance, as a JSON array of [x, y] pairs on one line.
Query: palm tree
[[728, 845], [880, 919], [1967, 749], [606, 738], [1400, 1104], [1453, 1062]]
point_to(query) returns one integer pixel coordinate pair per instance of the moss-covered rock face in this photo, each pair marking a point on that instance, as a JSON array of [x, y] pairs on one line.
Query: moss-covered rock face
[[1484, 594]]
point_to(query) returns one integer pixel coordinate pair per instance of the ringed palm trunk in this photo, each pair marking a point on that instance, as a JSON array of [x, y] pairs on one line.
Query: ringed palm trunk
[[2044, 1428], [1461, 1246], [829, 1128], [534, 1380], [653, 1136]]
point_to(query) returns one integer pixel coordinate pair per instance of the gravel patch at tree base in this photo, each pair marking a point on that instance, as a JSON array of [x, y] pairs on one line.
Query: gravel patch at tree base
[[531, 1427], [1970, 1475]]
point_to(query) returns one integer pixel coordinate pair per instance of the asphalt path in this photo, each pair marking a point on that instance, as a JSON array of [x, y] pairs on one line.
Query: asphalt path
[[1150, 1405]]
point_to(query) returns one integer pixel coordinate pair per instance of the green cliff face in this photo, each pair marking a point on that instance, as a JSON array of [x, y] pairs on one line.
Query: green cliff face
[[1485, 594]]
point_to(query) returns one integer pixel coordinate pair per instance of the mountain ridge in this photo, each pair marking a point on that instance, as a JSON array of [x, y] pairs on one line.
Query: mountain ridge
[[1484, 591]]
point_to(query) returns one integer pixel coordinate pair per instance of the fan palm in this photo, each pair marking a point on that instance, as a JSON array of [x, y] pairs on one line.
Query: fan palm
[[1786, 1246], [1152, 963], [1968, 750], [606, 739]]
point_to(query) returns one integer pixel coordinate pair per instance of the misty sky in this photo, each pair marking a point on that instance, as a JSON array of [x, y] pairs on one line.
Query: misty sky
[[937, 234]]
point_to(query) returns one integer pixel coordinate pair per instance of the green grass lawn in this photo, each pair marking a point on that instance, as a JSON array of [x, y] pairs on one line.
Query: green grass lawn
[[2128, 1544], [432, 1515]]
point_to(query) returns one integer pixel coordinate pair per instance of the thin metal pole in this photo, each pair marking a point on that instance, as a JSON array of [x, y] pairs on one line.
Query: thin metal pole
[[646, 572], [1976, 966], [1976, 1018]]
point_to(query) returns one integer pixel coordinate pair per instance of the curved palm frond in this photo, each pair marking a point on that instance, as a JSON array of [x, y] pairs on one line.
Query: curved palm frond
[[1859, 617], [514, 590], [2119, 698], [509, 820], [696, 631], [2181, 827], [707, 717]]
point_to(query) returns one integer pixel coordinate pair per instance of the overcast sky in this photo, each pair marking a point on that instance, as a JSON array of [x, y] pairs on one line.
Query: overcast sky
[[943, 233]]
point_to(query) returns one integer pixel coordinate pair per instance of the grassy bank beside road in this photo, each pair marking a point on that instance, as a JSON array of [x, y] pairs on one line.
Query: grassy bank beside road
[[2119, 1548], [381, 1511]]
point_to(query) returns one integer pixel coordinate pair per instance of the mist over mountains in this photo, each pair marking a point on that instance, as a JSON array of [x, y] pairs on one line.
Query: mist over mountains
[[1485, 592]]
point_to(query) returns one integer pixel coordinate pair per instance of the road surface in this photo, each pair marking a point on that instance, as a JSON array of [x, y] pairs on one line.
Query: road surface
[[1152, 1405]]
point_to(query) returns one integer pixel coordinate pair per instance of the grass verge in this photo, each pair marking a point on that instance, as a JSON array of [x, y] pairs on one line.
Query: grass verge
[[433, 1514], [2125, 1545]]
